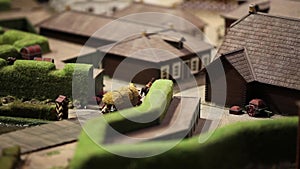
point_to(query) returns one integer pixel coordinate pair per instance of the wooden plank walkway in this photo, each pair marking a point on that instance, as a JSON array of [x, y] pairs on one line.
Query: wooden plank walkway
[[40, 137], [48, 135]]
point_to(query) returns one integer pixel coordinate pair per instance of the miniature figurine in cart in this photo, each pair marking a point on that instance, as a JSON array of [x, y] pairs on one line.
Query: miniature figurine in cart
[[145, 89]]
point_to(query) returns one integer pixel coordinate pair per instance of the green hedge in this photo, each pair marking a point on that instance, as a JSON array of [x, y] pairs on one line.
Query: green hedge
[[157, 98], [2, 63], [10, 157], [263, 142], [21, 24], [20, 39], [33, 79], [22, 121], [1, 30], [5, 5], [26, 110], [9, 51], [155, 104]]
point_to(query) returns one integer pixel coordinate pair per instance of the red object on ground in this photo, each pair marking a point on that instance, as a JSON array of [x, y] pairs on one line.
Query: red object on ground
[[44, 59], [256, 107], [31, 51], [259, 103], [235, 110]]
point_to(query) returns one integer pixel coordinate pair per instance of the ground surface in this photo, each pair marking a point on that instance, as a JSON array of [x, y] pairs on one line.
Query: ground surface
[[212, 117], [57, 158]]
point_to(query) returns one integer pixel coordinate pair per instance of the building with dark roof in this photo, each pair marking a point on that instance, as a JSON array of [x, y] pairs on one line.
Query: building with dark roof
[[287, 8], [143, 56], [185, 14], [261, 59], [99, 30]]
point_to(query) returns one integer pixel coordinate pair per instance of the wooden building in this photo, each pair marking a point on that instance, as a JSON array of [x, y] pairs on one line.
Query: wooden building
[[261, 59], [75, 27], [141, 57], [287, 8], [137, 7], [100, 30]]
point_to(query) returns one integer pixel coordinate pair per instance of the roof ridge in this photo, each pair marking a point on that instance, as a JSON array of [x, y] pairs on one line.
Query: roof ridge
[[278, 16], [245, 56], [264, 14], [50, 18], [250, 64], [239, 20]]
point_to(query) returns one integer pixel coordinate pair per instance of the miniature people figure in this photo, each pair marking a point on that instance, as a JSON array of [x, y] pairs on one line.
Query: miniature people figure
[[11, 60], [146, 89]]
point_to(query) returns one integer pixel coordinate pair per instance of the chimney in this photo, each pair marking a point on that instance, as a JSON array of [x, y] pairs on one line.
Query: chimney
[[174, 41], [253, 8], [144, 33]]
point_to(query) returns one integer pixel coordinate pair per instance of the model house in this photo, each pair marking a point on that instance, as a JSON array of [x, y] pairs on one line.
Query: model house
[[75, 27], [99, 30], [140, 57], [261, 58], [136, 8]]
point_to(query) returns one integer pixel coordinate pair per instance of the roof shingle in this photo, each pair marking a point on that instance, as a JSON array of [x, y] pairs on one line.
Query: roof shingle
[[272, 45], [153, 48]]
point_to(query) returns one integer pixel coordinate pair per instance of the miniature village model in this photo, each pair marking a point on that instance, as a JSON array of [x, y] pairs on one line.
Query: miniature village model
[[137, 84], [261, 59]]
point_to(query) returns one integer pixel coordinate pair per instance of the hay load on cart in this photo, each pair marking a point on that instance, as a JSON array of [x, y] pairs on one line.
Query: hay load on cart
[[123, 98]]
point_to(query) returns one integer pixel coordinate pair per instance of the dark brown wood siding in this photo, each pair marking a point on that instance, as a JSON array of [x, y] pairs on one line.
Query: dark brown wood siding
[[279, 100], [79, 39], [235, 90], [110, 63], [228, 22], [128, 69]]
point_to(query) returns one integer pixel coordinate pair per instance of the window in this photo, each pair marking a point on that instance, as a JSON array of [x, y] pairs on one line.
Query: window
[[164, 72], [195, 65], [176, 69], [205, 60]]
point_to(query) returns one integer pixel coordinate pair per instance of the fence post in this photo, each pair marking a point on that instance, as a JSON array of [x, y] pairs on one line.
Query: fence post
[[61, 104]]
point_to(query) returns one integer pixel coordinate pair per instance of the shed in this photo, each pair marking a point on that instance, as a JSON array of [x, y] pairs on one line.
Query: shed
[[31, 52], [261, 58]]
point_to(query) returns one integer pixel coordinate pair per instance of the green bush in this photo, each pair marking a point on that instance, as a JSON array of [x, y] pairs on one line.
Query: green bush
[[155, 105], [21, 24], [10, 157], [5, 5], [39, 80], [26, 110], [1, 30], [2, 63], [8, 162], [14, 151], [22, 121], [21, 39], [29, 67], [262, 142], [9, 51], [33, 40]]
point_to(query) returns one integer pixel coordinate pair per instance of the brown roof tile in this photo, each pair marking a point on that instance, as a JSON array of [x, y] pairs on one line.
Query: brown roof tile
[[288, 8], [153, 48], [240, 61], [272, 45], [96, 26], [140, 8]]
